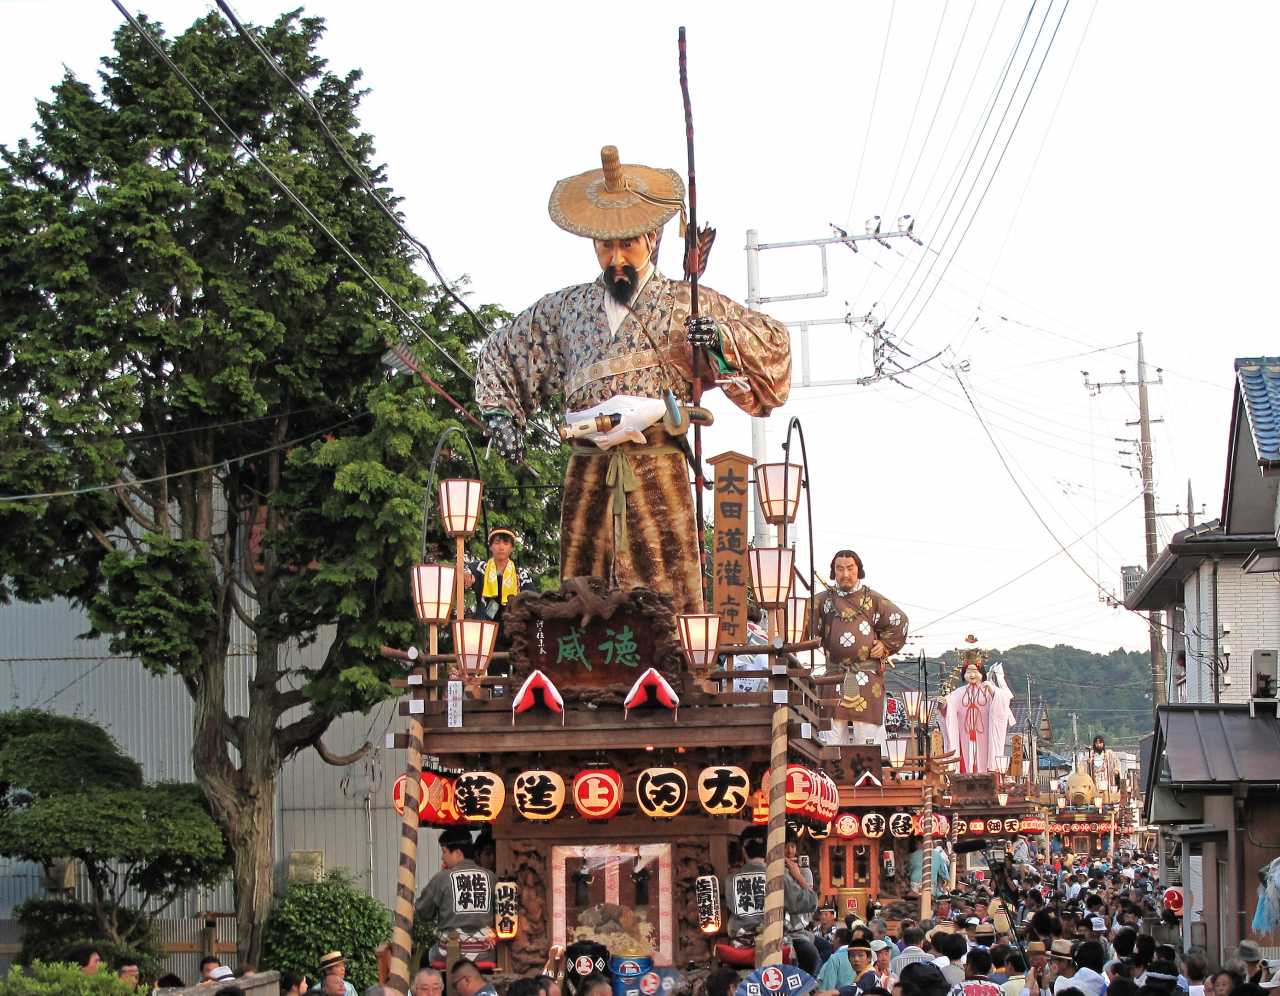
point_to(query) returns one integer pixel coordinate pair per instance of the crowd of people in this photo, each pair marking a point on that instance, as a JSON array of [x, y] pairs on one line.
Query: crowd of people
[[1035, 924]]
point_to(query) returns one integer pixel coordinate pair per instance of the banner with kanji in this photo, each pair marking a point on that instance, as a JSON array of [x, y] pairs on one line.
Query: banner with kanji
[[731, 579]]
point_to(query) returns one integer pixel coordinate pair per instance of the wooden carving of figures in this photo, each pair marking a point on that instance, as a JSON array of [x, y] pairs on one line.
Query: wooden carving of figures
[[613, 349], [860, 630], [976, 716]]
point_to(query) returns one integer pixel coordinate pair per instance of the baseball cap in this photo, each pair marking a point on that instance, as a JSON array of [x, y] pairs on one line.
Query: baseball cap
[[878, 945]]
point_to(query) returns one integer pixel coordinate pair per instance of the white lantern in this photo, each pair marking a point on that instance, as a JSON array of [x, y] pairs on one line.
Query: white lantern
[[1002, 798], [771, 574], [473, 643], [432, 592], [911, 701], [778, 507], [1002, 764], [700, 639], [797, 618], [460, 505], [897, 748]]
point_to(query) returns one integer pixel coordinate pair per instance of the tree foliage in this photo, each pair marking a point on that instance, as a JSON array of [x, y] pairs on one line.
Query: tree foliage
[[62, 980], [140, 846], [193, 370], [314, 918], [52, 928]]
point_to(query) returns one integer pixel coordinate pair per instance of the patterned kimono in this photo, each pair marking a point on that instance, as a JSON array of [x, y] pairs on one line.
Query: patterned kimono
[[564, 344], [849, 624]]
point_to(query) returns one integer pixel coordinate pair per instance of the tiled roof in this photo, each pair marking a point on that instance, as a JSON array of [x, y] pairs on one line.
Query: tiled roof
[[1259, 379]]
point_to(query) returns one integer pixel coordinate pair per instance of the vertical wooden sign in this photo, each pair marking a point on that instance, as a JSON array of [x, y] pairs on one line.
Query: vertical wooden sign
[[732, 582]]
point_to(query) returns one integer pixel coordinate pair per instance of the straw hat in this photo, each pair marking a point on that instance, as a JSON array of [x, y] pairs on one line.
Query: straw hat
[[331, 961], [616, 201], [1060, 948]]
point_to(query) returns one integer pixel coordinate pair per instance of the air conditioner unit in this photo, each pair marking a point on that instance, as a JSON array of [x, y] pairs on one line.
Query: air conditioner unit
[[1263, 682], [1129, 577]]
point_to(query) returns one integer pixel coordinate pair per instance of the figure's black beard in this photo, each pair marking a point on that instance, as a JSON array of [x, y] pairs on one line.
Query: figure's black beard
[[622, 289], [1099, 750]]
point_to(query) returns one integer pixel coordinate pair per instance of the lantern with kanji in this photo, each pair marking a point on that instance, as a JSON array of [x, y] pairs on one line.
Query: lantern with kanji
[[479, 795], [846, 825], [723, 789], [597, 793], [901, 824], [1011, 825], [437, 799], [820, 831], [538, 795], [961, 825], [760, 802], [706, 892], [874, 825], [506, 908], [977, 826], [801, 782], [662, 792]]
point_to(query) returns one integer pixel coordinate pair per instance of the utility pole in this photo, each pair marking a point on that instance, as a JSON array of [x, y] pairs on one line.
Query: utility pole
[[758, 442], [1146, 469]]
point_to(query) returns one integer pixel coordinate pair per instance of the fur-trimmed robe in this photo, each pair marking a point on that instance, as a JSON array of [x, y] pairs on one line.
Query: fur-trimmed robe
[[564, 344]]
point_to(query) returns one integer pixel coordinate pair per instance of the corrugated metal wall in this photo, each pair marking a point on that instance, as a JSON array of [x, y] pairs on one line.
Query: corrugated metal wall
[[346, 813]]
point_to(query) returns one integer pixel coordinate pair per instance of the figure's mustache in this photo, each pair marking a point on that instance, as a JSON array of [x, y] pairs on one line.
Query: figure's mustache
[[621, 287]]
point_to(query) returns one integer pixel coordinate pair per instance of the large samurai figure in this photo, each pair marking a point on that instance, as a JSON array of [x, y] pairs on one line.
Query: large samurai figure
[[614, 349]]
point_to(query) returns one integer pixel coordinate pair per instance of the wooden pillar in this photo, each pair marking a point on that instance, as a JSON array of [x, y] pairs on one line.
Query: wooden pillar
[[407, 881]]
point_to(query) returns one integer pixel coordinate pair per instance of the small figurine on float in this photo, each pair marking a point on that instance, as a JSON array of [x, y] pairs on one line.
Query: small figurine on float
[[860, 630], [620, 349], [976, 716]]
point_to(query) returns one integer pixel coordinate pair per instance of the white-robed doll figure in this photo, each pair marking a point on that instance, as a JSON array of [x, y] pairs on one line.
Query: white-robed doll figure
[[976, 716]]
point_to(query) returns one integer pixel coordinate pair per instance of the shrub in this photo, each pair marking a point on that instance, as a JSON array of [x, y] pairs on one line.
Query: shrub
[[62, 980], [317, 917], [52, 927]]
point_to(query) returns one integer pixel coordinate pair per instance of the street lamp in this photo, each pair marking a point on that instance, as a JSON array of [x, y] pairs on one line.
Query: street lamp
[[1097, 801], [460, 505], [1002, 798], [778, 501], [700, 639], [771, 571], [911, 699], [897, 749], [1002, 764]]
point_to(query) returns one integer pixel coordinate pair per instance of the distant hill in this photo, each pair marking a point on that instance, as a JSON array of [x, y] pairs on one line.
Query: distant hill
[[1109, 692]]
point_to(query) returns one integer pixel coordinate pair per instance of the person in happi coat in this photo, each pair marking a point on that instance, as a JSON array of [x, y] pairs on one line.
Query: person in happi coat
[[494, 581], [619, 346], [459, 898], [976, 716], [860, 630]]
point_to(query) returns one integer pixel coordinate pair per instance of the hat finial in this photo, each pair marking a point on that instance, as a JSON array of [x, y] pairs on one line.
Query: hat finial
[[614, 181]]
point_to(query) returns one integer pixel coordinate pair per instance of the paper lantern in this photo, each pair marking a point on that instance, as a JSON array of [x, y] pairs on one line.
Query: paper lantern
[[900, 824], [597, 793], [760, 804], [437, 799], [828, 798], [874, 825], [911, 700], [977, 826], [706, 892], [1011, 825], [771, 574], [432, 592], [506, 908], [662, 792], [460, 505], [1002, 798], [846, 825], [538, 795], [897, 750], [820, 831], [961, 826], [479, 795], [699, 639], [800, 787], [941, 825], [797, 618], [397, 796], [723, 789], [778, 491], [473, 643]]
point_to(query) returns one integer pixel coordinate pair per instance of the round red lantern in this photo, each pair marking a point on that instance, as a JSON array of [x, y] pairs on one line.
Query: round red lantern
[[846, 825], [597, 793], [397, 795], [437, 799], [800, 789]]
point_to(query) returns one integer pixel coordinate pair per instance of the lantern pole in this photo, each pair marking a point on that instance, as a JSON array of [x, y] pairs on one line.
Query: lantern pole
[[407, 878], [926, 859]]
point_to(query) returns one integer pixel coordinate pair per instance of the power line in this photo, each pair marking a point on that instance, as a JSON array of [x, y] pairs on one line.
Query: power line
[[288, 192], [871, 117], [181, 473], [357, 172]]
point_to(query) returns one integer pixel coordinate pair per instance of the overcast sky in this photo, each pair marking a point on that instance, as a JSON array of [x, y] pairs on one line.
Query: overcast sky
[[1136, 193]]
